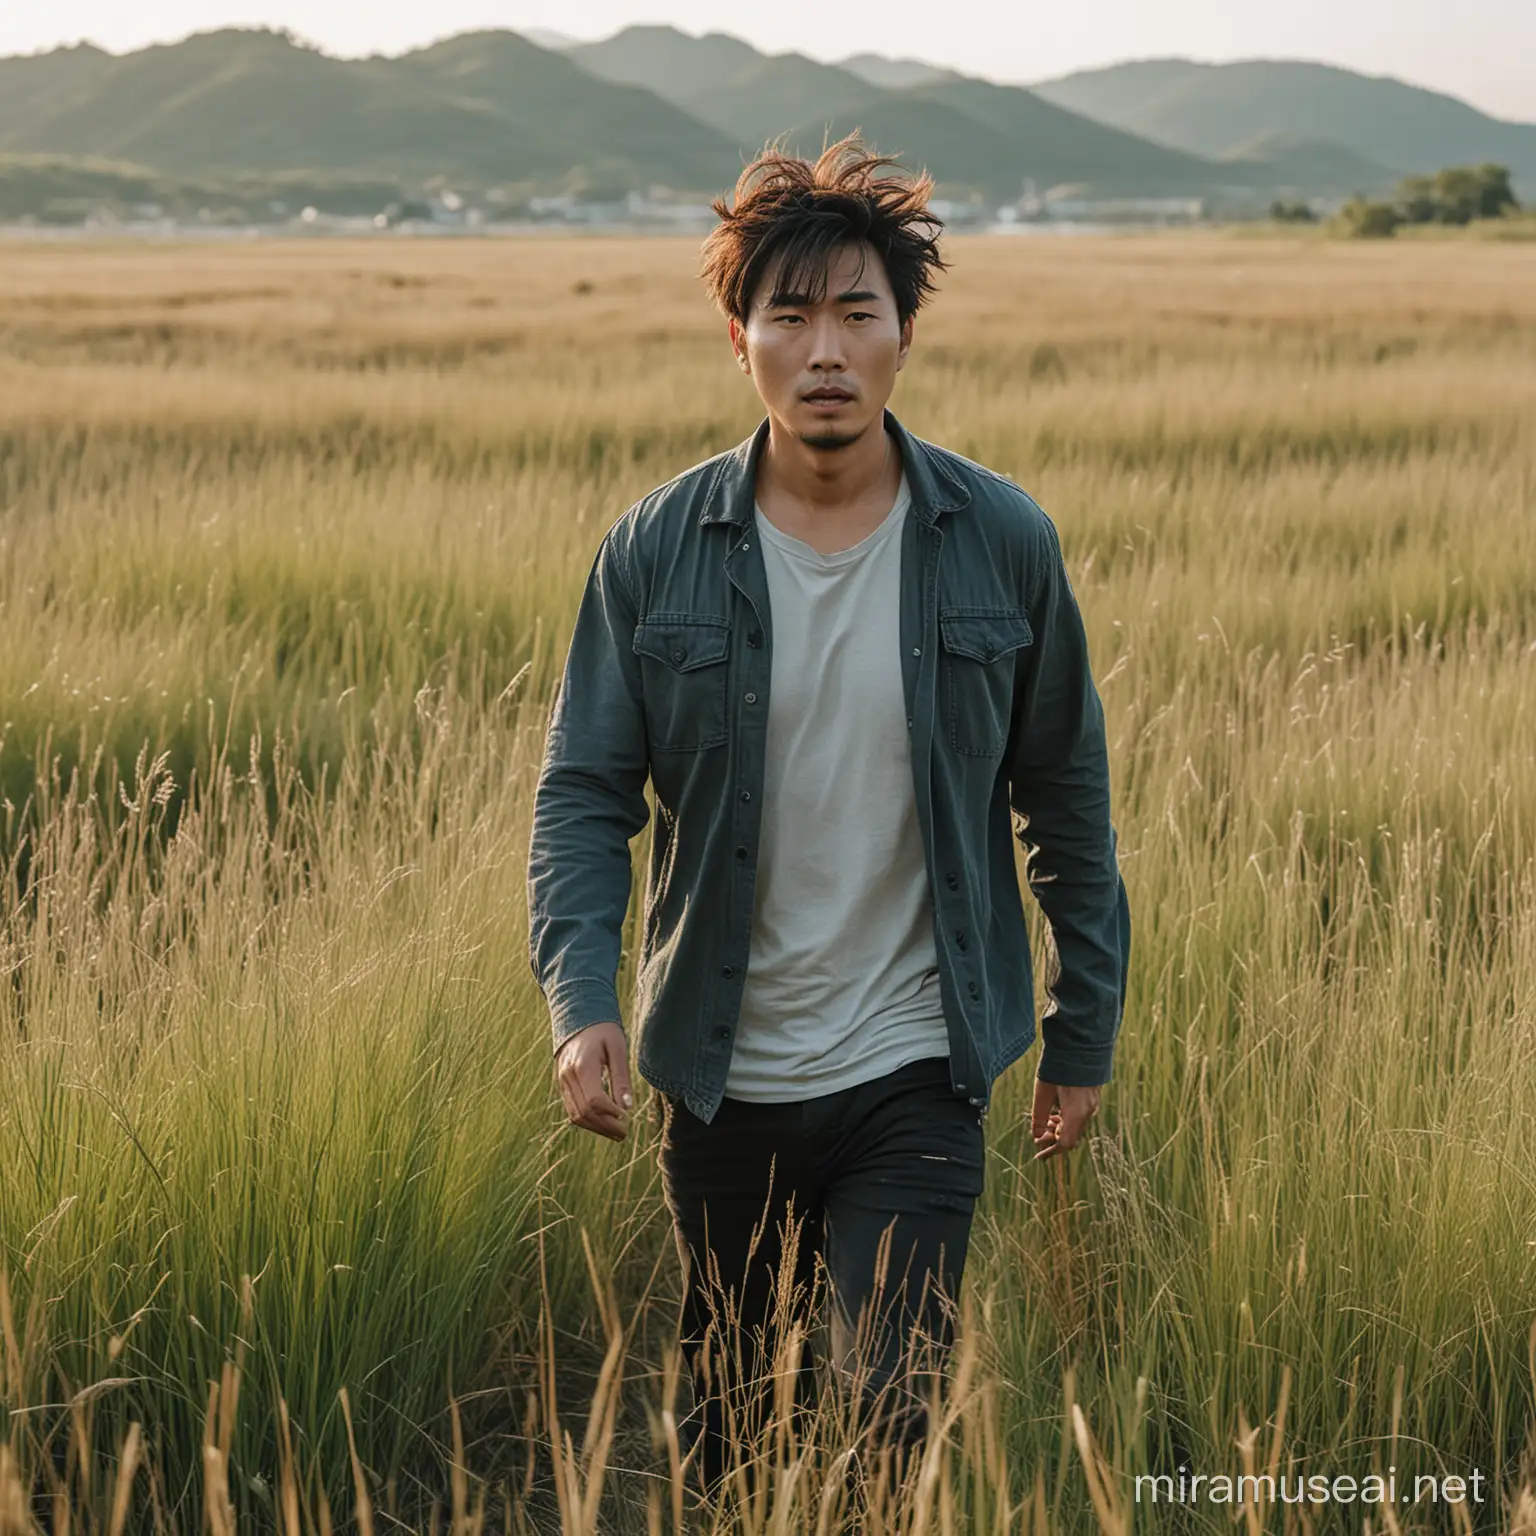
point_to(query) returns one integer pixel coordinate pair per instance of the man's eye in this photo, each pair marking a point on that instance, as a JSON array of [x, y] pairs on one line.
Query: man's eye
[[795, 318], [861, 314]]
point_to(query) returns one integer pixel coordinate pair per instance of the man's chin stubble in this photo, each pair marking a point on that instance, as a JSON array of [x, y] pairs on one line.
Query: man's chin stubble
[[830, 442]]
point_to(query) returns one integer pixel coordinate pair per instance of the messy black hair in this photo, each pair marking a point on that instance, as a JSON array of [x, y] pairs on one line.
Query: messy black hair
[[803, 211]]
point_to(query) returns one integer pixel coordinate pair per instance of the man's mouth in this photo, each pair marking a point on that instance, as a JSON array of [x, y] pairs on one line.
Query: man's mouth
[[827, 396]]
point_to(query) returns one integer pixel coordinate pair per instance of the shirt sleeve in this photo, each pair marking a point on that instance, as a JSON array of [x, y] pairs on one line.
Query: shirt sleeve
[[590, 801], [1059, 780]]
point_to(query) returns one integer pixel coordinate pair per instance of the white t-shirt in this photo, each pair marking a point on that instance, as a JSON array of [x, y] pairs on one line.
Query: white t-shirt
[[842, 973]]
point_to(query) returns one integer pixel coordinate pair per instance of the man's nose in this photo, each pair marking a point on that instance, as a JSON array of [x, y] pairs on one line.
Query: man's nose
[[827, 343]]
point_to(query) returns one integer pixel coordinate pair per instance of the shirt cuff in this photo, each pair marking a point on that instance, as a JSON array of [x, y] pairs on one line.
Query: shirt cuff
[[575, 1004], [1073, 1067]]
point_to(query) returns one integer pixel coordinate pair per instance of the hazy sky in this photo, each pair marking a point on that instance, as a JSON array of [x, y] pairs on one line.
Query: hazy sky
[[1482, 50]]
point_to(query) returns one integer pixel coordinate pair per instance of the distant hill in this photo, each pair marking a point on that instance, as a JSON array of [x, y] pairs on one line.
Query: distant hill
[[962, 154], [1315, 165], [751, 96], [666, 61], [546, 37], [777, 90], [586, 119], [29, 83], [57, 189], [894, 74], [1214, 109], [487, 108], [1050, 145], [972, 134], [776, 93], [226, 117], [62, 189]]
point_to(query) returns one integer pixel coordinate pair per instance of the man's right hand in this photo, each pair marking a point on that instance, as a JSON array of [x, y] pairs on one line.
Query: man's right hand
[[580, 1066]]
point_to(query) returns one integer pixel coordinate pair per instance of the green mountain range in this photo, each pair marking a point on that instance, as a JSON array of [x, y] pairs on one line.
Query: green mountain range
[[255, 117], [1215, 109], [483, 108], [971, 134]]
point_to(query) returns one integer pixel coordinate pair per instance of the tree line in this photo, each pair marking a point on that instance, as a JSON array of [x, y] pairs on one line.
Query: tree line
[[1458, 194]]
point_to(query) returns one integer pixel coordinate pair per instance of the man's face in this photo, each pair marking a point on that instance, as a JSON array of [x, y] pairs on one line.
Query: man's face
[[824, 370]]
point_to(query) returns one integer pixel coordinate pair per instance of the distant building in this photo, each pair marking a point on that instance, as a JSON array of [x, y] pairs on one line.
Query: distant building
[[1123, 210], [956, 213]]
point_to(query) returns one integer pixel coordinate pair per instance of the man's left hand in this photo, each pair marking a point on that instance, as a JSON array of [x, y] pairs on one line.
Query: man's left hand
[[1060, 1113]]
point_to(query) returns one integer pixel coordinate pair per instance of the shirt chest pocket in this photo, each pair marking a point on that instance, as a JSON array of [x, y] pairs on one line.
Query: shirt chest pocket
[[684, 666], [978, 652]]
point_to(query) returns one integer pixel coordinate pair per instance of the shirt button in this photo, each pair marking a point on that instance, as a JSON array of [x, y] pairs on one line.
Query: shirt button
[[952, 882], [909, 722], [972, 988], [723, 1032], [741, 852], [754, 637], [745, 544], [728, 972], [746, 794], [751, 698], [679, 655], [960, 937], [917, 650]]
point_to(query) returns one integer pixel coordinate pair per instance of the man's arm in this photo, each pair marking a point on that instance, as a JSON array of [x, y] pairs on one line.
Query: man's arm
[[1059, 779], [589, 803]]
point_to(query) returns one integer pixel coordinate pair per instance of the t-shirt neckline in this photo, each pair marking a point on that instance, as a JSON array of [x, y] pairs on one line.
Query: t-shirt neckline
[[799, 548]]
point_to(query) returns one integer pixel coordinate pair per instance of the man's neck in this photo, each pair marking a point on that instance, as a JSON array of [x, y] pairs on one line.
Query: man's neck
[[801, 482]]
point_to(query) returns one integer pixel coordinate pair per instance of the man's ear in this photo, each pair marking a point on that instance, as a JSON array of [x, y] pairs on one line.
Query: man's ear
[[906, 343], [739, 345]]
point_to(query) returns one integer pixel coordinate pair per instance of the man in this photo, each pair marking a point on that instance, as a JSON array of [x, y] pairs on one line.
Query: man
[[844, 657]]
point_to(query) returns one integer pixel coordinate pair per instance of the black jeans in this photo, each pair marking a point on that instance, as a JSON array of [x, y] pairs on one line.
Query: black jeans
[[901, 1153]]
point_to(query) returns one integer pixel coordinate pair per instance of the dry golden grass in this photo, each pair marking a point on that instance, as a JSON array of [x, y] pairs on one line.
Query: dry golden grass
[[290, 540]]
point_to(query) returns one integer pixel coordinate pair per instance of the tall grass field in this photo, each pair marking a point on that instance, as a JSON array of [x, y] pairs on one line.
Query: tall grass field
[[293, 1233]]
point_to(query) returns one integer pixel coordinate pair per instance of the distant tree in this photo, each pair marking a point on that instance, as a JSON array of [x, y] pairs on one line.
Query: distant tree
[[1298, 212], [1495, 194], [1417, 200], [1369, 221], [1458, 191], [1456, 195]]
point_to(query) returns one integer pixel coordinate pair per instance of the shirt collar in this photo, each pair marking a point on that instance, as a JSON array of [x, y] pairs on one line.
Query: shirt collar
[[732, 492]]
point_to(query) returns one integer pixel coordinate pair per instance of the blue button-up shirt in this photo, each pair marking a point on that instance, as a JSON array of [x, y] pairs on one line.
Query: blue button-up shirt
[[668, 677]]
